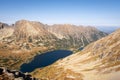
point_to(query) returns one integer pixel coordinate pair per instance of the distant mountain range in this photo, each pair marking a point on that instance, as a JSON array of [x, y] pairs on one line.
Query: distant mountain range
[[99, 60], [108, 29], [76, 36]]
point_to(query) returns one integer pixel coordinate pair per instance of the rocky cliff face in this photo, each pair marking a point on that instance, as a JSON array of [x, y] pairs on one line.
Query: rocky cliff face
[[100, 60], [20, 42]]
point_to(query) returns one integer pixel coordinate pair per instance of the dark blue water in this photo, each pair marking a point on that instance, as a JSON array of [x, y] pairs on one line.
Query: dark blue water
[[45, 59]]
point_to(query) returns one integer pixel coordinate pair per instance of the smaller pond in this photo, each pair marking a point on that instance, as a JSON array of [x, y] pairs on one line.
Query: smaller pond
[[45, 59]]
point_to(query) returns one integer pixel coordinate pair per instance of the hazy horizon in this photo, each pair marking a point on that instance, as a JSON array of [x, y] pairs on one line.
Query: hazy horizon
[[77, 12]]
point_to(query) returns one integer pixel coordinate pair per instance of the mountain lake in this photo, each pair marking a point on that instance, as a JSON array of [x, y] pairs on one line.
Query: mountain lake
[[45, 59]]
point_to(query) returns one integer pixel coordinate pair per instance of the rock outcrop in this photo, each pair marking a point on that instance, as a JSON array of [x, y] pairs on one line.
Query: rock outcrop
[[6, 74]]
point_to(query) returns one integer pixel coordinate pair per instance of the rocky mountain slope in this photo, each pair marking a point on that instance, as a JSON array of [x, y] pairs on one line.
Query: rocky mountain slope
[[31, 29], [75, 36], [100, 60], [21, 41]]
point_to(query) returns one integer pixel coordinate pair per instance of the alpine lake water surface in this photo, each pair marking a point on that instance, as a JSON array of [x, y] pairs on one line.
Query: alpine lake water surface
[[45, 59]]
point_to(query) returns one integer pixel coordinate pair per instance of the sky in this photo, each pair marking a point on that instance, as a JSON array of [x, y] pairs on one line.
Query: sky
[[78, 12]]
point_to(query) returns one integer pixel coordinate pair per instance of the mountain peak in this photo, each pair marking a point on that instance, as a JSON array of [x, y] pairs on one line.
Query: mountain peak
[[29, 28]]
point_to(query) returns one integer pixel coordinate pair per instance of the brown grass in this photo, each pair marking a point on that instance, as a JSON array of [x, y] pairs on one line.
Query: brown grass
[[55, 73]]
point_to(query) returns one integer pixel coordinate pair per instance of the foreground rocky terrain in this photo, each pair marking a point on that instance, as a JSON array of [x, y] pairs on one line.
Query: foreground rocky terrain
[[21, 41], [100, 60], [6, 74]]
